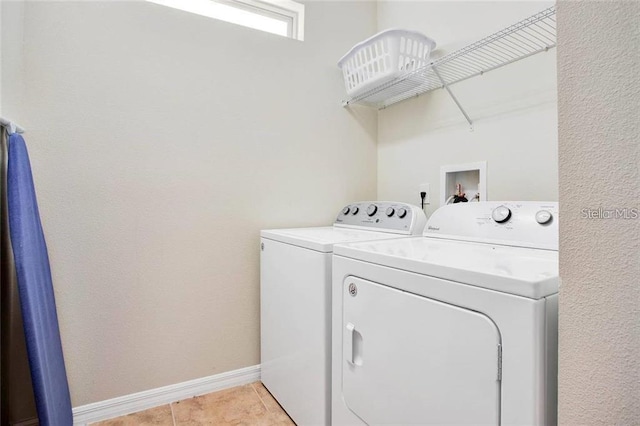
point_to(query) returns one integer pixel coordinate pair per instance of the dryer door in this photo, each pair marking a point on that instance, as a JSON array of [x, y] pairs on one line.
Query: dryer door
[[410, 360]]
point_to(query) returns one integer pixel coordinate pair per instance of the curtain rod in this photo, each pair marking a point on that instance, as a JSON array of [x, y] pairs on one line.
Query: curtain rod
[[11, 126]]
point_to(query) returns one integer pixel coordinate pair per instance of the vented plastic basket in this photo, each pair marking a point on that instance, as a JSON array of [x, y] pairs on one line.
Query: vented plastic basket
[[388, 55]]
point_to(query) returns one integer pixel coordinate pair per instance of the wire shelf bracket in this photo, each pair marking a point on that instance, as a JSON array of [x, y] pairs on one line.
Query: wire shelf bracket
[[521, 40], [446, 87]]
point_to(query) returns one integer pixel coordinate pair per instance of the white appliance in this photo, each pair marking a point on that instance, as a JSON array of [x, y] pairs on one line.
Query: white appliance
[[295, 301], [456, 327]]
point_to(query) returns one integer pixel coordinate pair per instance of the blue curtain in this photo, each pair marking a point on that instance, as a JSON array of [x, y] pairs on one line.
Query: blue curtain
[[36, 291]]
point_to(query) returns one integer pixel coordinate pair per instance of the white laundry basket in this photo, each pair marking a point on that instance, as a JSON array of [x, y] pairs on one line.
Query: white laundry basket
[[387, 55]]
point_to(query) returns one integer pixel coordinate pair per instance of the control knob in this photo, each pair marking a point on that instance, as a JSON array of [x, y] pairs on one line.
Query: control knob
[[372, 209], [543, 217], [402, 212], [501, 214], [346, 210], [390, 211], [355, 210]]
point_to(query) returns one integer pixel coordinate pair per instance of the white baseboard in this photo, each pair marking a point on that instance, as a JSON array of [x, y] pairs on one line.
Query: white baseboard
[[128, 404]]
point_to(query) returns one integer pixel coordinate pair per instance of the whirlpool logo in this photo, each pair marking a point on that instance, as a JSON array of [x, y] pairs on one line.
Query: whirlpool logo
[[433, 228]]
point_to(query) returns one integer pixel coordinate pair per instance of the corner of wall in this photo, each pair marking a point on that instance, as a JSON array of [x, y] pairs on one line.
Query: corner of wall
[[599, 157]]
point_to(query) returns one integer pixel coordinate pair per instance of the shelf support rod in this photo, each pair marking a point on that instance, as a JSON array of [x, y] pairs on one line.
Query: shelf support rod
[[446, 87]]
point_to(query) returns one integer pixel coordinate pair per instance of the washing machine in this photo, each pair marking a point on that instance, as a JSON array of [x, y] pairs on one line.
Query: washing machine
[[456, 327], [295, 301]]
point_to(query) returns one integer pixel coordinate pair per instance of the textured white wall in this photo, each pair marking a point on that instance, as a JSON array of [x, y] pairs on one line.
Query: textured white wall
[[599, 152], [11, 58], [514, 109], [161, 143]]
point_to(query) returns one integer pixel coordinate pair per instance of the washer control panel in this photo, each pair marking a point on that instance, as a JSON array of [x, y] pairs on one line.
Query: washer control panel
[[517, 223], [384, 216]]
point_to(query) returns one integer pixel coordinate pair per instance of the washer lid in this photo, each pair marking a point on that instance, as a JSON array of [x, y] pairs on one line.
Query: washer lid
[[531, 273], [323, 238]]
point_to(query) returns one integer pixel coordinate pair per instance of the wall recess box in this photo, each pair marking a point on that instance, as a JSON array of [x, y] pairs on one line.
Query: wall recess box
[[471, 176]]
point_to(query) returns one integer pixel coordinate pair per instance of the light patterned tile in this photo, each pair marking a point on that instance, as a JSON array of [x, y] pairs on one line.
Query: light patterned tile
[[271, 419], [155, 416], [236, 406], [277, 414], [248, 405]]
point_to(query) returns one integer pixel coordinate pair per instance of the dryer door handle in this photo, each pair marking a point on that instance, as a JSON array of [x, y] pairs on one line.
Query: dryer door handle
[[353, 345], [348, 344]]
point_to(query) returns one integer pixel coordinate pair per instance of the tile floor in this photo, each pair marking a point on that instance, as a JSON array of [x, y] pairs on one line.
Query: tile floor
[[248, 405]]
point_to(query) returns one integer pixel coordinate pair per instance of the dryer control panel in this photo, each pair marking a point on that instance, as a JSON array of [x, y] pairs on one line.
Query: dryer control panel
[[386, 216], [531, 224]]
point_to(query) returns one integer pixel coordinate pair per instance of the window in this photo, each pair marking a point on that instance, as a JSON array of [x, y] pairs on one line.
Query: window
[[282, 17]]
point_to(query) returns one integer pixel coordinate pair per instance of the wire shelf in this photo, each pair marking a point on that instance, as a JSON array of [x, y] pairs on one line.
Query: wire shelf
[[519, 41]]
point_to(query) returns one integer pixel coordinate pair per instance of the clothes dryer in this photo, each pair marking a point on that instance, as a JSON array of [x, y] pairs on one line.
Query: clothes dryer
[[458, 326]]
